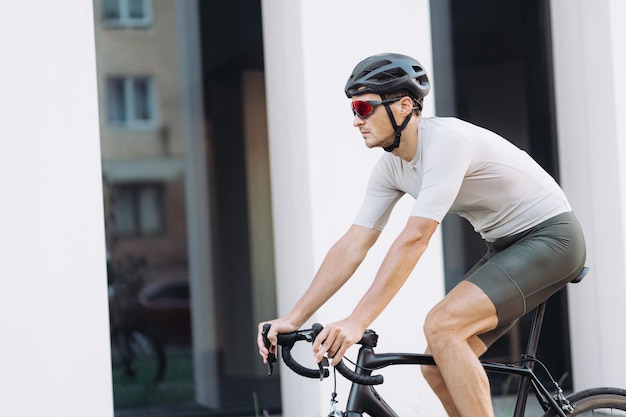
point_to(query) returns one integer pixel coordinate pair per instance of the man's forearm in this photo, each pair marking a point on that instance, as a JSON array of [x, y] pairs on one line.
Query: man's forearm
[[396, 267], [338, 266]]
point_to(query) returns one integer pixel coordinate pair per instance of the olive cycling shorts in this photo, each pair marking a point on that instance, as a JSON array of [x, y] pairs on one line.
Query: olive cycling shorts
[[521, 271]]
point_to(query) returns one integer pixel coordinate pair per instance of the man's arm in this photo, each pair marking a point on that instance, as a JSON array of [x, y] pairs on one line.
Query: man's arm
[[340, 263], [396, 267]]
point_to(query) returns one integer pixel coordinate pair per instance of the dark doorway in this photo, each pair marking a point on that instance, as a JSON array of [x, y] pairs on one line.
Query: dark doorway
[[232, 45], [492, 65]]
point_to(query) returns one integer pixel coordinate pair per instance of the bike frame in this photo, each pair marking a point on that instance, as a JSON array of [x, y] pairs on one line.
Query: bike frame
[[365, 399]]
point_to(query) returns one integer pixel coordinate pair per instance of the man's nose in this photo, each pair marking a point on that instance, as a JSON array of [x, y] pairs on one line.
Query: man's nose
[[357, 121]]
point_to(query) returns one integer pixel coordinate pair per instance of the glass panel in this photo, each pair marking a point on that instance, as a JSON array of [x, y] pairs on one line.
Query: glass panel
[[124, 206], [116, 100], [111, 10], [150, 210], [142, 99], [172, 208], [136, 9]]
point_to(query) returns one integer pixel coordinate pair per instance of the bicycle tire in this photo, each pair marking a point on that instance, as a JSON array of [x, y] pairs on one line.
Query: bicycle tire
[[596, 402], [139, 353]]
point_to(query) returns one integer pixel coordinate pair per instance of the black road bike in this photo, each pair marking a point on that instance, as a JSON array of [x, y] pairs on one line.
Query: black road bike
[[137, 350], [364, 399]]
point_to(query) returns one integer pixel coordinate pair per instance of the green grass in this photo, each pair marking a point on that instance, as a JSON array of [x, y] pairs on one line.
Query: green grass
[[176, 387]]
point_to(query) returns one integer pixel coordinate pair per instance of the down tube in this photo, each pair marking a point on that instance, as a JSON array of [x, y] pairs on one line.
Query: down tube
[[365, 399]]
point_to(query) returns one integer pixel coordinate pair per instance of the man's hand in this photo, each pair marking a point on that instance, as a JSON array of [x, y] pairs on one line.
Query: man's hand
[[336, 339], [277, 326]]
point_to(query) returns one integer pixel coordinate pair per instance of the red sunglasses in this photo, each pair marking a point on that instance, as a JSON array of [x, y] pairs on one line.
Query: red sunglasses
[[364, 109]]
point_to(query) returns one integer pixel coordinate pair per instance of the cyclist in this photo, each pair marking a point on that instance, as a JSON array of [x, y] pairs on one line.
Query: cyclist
[[534, 242]]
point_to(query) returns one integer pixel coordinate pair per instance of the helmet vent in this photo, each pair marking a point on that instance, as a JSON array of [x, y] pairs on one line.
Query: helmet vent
[[392, 74], [376, 65], [372, 67], [388, 73]]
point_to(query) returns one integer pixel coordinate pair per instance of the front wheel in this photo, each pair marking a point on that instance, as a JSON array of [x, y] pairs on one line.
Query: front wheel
[[596, 402]]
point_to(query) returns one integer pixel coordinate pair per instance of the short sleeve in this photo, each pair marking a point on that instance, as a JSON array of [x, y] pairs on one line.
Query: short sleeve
[[380, 197], [445, 162]]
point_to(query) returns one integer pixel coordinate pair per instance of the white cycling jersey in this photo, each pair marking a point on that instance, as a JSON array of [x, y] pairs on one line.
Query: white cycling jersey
[[468, 170]]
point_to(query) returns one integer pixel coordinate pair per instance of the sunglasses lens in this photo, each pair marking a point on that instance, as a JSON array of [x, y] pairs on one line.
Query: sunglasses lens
[[362, 108]]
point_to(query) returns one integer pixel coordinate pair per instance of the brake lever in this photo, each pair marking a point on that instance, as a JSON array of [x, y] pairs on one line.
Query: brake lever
[[271, 357], [316, 329], [322, 365]]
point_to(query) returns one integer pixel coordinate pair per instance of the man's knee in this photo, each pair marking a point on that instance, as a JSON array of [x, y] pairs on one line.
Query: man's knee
[[437, 326], [464, 313], [432, 376], [430, 372]]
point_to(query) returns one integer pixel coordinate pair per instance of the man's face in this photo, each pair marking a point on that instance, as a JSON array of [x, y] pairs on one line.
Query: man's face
[[376, 128]]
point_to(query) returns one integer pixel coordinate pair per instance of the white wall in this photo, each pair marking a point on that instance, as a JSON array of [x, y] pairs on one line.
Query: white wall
[[320, 168], [589, 42], [54, 354]]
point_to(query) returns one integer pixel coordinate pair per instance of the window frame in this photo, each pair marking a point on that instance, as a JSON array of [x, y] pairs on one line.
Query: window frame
[[125, 20], [130, 119], [136, 188]]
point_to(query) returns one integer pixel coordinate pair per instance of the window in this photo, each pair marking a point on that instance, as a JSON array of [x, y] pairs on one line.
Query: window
[[138, 209], [127, 13], [131, 101]]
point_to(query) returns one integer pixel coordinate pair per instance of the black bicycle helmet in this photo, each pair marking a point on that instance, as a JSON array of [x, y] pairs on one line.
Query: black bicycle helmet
[[387, 73]]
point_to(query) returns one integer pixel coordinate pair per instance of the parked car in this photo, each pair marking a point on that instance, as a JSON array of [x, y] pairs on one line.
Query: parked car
[[164, 305]]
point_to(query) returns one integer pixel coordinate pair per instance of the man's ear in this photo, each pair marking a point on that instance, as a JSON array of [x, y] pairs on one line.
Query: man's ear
[[406, 105]]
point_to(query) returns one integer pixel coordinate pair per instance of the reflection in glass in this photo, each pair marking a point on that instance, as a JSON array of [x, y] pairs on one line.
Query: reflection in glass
[[138, 209], [185, 171], [126, 13], [130, 100]]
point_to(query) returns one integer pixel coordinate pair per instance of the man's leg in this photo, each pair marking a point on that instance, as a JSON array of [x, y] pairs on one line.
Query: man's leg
[[451, 329], [435, 379]]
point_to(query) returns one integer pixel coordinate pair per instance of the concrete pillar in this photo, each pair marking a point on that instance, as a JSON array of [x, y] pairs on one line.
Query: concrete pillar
[[205, 343], [589, 43], [259, 210], [54, 355], [320, 168]]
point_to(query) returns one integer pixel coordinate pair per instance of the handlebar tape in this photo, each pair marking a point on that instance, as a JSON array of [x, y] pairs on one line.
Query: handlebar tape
[[358, 378], [287, 342], [299, 369]]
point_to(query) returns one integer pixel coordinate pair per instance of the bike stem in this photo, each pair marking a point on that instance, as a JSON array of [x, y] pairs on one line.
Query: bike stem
[[364, 398]]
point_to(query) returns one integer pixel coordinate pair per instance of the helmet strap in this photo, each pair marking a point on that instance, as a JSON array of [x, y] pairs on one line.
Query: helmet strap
[[398, 129]]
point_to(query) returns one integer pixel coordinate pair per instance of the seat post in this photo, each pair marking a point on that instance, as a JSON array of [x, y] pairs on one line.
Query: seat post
[[532, 346], [535, 331], [531, 351]]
